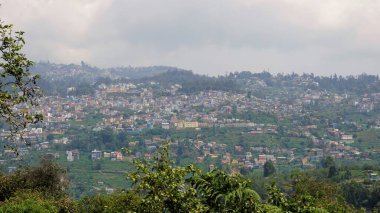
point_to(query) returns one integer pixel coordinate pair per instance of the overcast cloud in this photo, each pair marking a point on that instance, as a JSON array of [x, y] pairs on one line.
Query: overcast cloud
[[207, 36]]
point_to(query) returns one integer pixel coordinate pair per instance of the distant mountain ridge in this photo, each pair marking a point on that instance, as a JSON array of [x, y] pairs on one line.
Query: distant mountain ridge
[[87, 73], [56, 78]]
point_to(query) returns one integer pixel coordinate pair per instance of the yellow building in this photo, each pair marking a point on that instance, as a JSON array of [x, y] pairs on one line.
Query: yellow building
[[187, 124]]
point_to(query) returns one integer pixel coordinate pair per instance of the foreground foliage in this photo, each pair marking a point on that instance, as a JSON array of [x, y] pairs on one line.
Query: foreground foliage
[[158, 186], [18, 88], [47, 178]]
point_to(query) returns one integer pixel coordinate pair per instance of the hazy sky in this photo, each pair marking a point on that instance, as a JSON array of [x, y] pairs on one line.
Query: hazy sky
[[206, 36]]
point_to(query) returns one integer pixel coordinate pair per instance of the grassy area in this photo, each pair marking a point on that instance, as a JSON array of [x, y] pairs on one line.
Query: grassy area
[[368, 139], [88, 176]]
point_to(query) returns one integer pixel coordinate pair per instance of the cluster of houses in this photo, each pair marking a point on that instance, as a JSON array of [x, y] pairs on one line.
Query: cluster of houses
[[73, 155], [136, 107], [98, 155]]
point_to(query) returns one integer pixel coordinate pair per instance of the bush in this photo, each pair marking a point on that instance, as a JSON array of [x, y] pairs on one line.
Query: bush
[[122, 202], [28, 202], [47, 178]]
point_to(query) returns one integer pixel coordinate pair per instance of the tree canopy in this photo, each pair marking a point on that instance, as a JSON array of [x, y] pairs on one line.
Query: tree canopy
[[18, 87], [269, 168]]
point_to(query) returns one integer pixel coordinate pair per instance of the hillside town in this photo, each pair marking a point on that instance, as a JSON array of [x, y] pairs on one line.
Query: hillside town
[[137, 107]]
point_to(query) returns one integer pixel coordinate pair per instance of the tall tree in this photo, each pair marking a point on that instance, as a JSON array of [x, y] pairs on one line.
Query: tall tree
[[333, 171], [19, 91], [327, 162], [269, 168]]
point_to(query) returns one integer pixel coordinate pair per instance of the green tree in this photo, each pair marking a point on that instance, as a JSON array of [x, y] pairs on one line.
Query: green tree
[[224, 193], [333, 171], [162, 187], [302, 201], [118, 202], [47, 178], [327, 162], [374, 201], [18, 88], [321, 193], [27, 202], [277, 198], [347, 175], [355, 193], [269, 168]]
